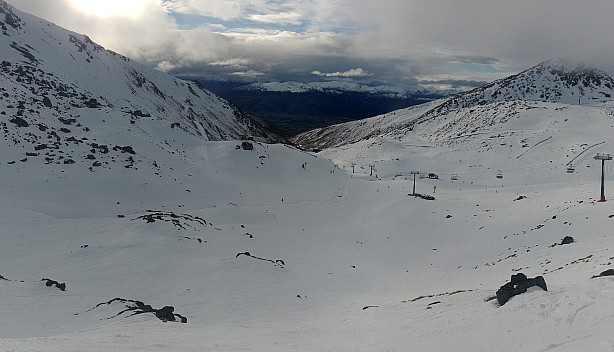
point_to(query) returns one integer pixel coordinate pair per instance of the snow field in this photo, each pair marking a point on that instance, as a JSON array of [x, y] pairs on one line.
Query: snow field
[[347, 243]]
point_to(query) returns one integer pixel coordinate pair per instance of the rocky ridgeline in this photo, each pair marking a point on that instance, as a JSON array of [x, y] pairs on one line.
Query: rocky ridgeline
[[180, 221], [10, 19], [166, 313], [66, 141], [550, 81]]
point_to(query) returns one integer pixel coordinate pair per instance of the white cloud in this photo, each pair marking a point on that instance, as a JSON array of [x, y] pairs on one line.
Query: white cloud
[[234, 62], [279, 18], [248, 73], [121, 8], [223, 9], [355, 72], [165, 66]]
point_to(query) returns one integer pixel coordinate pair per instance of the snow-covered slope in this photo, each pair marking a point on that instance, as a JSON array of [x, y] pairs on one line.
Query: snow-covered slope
[[338, 261], [54, 71]]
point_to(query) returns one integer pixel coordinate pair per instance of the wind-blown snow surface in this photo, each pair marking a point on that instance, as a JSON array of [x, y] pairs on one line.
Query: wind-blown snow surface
[[347, 241]]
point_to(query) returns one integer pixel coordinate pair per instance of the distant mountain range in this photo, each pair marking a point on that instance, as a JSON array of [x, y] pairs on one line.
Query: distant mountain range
[[552, 81], [295, 107]]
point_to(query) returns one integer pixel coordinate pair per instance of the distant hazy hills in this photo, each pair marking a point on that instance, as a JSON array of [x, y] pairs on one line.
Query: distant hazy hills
[[297, 107]]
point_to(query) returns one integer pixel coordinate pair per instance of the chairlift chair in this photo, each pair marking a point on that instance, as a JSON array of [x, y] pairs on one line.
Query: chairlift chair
[[570, 169], [499, 174], [454, 177]]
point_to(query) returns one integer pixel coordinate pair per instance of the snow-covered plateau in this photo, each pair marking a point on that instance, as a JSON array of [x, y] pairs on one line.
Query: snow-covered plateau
[[112, 209]]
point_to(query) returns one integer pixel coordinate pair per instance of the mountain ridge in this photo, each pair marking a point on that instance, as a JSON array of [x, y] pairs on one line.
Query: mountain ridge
[[80, 72], [553, 81]]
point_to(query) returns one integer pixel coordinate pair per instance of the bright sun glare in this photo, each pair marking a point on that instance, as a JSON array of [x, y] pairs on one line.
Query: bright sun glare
[[106, 8]]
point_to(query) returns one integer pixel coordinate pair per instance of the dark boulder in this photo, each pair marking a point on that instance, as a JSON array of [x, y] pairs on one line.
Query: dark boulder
[[166, 313], [518, 284], [422, 196], [92, 103], [60, 286], [518, 278], [19, 122], [247, 146], [127, 149], [567, 240], [47, 102], [609, 272], [243, 253]]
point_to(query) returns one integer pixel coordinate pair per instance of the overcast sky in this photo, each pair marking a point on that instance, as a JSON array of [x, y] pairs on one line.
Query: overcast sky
[[400, 42]]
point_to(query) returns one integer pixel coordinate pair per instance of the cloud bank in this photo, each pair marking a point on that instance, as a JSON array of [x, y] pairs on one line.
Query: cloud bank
[[355, 72], [404, 42]]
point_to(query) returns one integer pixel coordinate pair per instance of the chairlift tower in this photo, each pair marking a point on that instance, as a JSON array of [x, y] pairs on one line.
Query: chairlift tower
[[371, 167], [413, 193], [353, 164], [603, 158]]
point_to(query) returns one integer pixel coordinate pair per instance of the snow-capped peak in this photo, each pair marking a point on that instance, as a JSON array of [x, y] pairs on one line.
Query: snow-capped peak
[[552, 81]]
